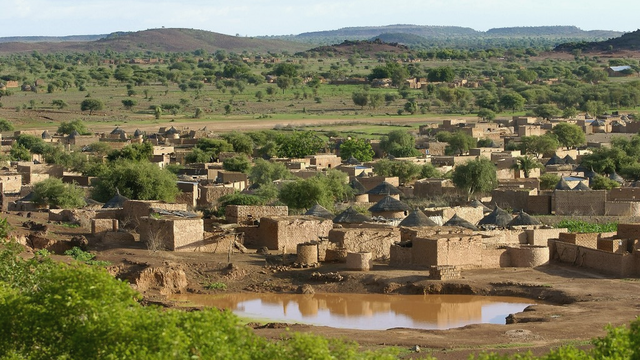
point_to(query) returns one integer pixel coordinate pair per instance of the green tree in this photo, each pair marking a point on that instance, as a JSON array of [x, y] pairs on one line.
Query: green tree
[[526, 164], [569, 112], [265, 172], [460, 143], [539, 145], [239, 163], [486, 114], [321, 189], [55, 193], [600, 182], [399, 143], [546, 111], [358, 148], [135, 152], [5, 125], [284, 82], [429, 171], [376, 100], [411, 107], [241, 143], [129, 103], [91, 105], [360, 98], [69, 127], [19, 153], [59, 104], [549, 181], [569, 135], [140, 180], [406, 171], [299, 144], [476, 176], [512, 100], [594, 108]]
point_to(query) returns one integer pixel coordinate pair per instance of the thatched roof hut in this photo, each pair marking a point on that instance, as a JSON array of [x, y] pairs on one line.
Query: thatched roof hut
[[581, 187], [617, 178], [350, 216], [497, 217], [318, 210], [562, 185], [358, 188], [384, 188], [477, 204], [460, 222], [390, 208], [116, 202], [417, 219], [523, 219]]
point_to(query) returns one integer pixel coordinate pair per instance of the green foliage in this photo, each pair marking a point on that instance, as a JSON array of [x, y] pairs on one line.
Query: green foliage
[[129, 103], [526, 164], [545, 145], [429, 171], [405, 170], [486, 114], [578, 226], [264, 172], [569, 135], [321, 189], [134, 152], [140, 180], [460, 143], [358, 148], [5, 125], [54, 192], [546, 111], [549, 181], [399, 143], [476, 176], [69, 127], [5, 228], [19, 153], [600, 182], [240, 142], [299, 144], [91, 105], [360, 98], [32, 143], [216, 286], [239, 163]]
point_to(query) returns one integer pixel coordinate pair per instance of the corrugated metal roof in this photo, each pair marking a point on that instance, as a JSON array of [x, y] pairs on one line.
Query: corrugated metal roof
[[620, 68]]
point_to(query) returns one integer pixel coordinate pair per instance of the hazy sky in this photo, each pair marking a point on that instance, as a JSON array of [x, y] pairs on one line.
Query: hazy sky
[[280, 17]]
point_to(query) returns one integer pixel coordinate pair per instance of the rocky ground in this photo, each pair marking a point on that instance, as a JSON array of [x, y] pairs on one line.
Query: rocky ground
[[574, 306]]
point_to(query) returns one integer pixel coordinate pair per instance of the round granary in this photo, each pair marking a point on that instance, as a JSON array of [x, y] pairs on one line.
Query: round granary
[[307, 254], [528, 255]]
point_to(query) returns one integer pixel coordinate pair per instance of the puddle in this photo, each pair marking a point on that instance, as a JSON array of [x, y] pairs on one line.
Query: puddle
[[367, 311]]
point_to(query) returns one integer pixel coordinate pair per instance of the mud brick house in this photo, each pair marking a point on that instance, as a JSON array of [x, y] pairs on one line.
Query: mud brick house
[[134, 210], [377, 241], [247, 215], [10, 183], [286, 232], [172, 233]]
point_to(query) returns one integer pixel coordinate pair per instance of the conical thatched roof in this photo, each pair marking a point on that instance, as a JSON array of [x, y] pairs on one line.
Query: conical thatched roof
[[497, 217], [172, 131], [138, 133], [353, 161], [389, 204], [477, 204], [358, 188], [350, 216], [569, 160], [28, 197], [617, 178], [417, 219], [384, 188], [319, 211], [73, 135], [562, 185], [118, 131], [46, 135], [581, 187], [460, 222], [555, 160], [523, 219], [115, 202]]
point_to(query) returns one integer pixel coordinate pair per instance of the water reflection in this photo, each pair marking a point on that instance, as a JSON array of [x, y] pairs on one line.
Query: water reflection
[[367, 311]]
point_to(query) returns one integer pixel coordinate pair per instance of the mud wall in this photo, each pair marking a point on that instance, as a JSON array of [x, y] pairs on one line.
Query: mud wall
[[288, 232], [620, 265], [376, 241], [242, 214], [571, 202]]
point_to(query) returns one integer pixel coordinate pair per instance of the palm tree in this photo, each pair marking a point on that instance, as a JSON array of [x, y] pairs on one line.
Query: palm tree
[[526, 164]]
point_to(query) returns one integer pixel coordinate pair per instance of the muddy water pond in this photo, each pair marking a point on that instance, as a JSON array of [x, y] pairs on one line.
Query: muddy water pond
[[366, 311]]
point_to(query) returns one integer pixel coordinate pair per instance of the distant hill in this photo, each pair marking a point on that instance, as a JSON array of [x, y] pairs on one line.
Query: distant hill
[[350, 47], [162, 40], [628, 41], [452, 36], [32, 39]]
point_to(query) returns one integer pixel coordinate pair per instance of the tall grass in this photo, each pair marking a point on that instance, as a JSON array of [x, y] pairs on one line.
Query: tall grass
[[587, 227]]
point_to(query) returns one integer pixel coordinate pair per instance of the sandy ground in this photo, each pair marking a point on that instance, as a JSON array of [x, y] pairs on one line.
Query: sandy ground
[[575, 304]]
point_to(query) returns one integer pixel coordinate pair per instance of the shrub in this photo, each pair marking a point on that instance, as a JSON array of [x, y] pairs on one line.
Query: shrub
[[54, 192]]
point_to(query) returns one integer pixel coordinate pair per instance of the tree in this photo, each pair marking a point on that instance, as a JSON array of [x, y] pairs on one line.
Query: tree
[[321, 189], [5, 125], [460, 143], [91, 105], [129, 103], [265, 172], [239, 163], [539, 145], [358, 148], [140, 180], [67, 128], [399, 143], [569, 135], [360, 98], [411, 107], [284, 82], [59, 104], [600, 182], [512, 100], [429, 171], [134, 152], [406, 171], [569, 112], [546, 111], [299, 144], [526, 164], [594, 108], [549, 181], [54, 192], [241, 142], [375, 100], [476, 176], [441, 74], [19, 153], [486, 114]]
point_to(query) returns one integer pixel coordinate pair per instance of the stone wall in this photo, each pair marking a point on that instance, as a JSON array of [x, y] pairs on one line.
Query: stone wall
[[243, 214], [620, 265], [622, 208], [571, 202], [286, 233], [376, 241], [175, 234]]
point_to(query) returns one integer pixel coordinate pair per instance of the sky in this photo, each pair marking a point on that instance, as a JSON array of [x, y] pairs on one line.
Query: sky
[[284, 17]]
